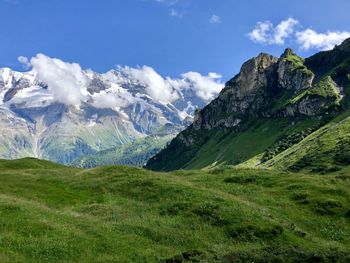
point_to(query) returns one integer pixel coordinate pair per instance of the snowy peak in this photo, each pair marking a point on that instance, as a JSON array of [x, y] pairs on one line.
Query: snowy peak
[[60, 112]]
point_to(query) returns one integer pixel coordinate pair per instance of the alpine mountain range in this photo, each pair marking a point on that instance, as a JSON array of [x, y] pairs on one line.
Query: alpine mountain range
[[60, 112]]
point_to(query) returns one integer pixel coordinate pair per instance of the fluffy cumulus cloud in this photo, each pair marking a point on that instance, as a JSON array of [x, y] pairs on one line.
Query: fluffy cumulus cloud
[[206, 87], [310, 39], [284, 30], [112, 99], [156, 86], [169, 90], [66, 81], [267, 33]]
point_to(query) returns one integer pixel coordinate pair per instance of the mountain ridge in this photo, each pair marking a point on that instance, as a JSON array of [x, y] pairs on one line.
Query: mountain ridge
[[80, 113], [267, 90]]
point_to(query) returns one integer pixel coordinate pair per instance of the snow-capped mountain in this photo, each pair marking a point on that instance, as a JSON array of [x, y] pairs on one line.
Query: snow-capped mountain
[[59, 112]]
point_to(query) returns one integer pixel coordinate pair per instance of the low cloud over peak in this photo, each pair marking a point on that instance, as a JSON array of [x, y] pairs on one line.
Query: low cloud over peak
[[68, 83]]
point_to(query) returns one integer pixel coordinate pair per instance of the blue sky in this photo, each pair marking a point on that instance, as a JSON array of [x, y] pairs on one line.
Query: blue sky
[[172, 36]]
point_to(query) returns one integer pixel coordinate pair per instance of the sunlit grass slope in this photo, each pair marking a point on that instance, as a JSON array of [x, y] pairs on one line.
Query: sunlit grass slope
[[51, 213]]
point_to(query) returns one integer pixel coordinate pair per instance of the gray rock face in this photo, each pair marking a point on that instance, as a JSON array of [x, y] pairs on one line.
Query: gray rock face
[[264, 87], [245, 94], [291, 76], [308, 106]]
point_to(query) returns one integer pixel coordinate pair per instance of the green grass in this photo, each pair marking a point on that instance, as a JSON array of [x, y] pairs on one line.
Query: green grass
[[298, 63], [323, 151], [226, 147], [236, 148], [51, 213]]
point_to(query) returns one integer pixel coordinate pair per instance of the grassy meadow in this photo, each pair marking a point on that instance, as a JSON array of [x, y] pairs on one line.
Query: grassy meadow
[[52, 213]]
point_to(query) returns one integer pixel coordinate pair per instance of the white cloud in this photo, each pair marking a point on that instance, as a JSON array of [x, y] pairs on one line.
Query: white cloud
[[156, 86], [310, 39], [215, 19], [25, 62], [66, 81], [284, 30], [261, 32], [267, 33], [169, 90], [206, 87], [112, 99]]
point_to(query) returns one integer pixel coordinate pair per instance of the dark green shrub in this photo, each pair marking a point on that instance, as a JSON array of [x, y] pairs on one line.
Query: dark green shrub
[[347, 214], [328, 207], [301, 197], [249, 233], [188, 256], [242, 179], [343, 177], [175, 209], [285, 142], [210, 213]]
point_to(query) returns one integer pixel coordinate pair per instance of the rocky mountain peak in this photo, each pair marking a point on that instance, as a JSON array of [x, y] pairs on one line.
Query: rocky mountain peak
[[345, 45], [116, 108], [270, 86], [289, 89], [287, 52], [253, 74]]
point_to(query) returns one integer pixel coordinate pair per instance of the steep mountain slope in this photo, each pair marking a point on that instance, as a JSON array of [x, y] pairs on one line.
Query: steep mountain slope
[[325, 150], [59, 112], [269, 100], [51, 213]]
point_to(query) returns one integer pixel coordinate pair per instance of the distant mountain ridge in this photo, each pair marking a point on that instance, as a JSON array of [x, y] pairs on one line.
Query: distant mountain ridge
[[43, 120], [270, 99]]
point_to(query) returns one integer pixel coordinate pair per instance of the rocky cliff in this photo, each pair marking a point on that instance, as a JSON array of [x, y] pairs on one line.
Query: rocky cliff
[[270, 86]]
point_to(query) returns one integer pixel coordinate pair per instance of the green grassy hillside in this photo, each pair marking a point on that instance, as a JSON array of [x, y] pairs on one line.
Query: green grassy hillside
[[51, 213], [325, 150], [225, 146]]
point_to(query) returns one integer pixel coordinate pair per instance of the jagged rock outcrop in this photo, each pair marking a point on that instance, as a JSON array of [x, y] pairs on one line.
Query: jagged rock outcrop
[[292, 75], [245, 94], [267, 86]]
